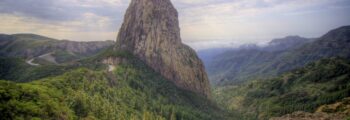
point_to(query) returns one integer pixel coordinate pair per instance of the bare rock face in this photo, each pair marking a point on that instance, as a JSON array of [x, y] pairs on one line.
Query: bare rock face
[[151, 32]]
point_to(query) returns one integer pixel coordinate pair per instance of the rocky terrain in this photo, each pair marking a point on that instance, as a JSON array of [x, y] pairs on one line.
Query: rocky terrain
[[151, 32]]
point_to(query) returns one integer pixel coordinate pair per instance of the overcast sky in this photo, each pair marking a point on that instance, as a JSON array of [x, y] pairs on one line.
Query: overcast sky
[[206, 22]]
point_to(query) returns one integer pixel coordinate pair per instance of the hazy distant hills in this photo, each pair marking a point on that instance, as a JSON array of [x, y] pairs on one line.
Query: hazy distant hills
[[279, 56], [207, 55], [49, 50], [237, 64], [287, 43]]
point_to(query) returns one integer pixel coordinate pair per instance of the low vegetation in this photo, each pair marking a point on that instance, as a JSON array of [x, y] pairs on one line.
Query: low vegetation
[[17, 70], [305, 89], [132, 91]]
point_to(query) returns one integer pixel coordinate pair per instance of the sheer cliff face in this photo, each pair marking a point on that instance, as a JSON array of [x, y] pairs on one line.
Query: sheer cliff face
[[151, 32]]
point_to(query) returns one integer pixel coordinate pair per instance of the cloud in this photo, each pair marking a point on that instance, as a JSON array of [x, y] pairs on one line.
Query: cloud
[[242, 21], [41, 9], [203, 45], [96, 3], [63, 17], [61, 10], [257, 19], [90, 28]]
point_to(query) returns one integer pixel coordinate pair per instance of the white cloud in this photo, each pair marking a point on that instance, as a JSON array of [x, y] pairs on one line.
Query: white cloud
[[251, 20], [242, 21], [96, 3], [202, 45], [193, 1], [90, 28]]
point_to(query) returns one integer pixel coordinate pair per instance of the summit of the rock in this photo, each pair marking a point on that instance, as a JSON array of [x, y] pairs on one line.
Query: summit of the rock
[[151, 32]]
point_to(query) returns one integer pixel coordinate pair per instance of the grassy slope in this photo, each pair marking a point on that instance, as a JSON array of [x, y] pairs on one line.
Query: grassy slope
[[132, 91], [305, 89]]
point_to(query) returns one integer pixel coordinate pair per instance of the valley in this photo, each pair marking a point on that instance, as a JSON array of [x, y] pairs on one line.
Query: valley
[[265, 82], [303, 91], [281, 55], [131, 91], [149, 73]]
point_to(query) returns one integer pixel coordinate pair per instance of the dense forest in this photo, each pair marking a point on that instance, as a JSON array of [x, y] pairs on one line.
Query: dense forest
[[148, 72], [131, 91], [323, 82], [87, 88]]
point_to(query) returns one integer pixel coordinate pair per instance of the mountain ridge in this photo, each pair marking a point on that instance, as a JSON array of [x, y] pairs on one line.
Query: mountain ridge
[[32, 46], [262, 63]]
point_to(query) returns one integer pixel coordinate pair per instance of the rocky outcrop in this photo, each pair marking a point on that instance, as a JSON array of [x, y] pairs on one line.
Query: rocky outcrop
[[151, 32]]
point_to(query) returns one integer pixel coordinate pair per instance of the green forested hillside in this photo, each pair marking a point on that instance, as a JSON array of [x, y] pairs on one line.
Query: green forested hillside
[[17, 70], [131, 91], [322, 82], [339, 110], [44, 50], [237, 66]]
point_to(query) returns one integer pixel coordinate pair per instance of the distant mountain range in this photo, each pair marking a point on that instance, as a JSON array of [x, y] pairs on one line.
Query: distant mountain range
[[289, 42], [48, 50], [279, 56], [207, 55]]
